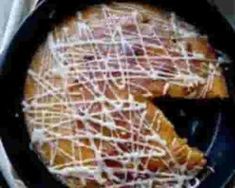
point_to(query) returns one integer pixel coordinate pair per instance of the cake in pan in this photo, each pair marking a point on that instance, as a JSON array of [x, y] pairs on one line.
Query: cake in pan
[[89, 91]]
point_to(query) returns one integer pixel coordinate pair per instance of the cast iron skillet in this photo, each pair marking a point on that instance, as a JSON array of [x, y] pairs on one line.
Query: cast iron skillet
[[208, 124]]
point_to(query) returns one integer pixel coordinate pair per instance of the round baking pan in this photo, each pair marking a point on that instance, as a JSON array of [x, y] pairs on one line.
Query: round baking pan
[[207, 124]]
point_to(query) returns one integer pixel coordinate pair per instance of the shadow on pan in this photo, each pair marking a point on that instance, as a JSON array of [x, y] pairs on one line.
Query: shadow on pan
[[208, 124]]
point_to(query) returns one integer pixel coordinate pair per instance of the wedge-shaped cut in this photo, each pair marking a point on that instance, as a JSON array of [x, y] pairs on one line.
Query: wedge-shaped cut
[[89, 89], [112, 139]]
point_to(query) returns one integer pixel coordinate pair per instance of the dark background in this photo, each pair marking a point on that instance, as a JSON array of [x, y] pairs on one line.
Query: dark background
[[227, 7]]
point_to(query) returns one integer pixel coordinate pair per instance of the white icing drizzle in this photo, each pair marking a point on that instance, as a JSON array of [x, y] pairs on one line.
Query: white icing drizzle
[[79, 99]]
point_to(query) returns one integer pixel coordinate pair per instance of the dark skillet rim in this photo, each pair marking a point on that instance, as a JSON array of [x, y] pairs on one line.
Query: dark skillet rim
[[13, 130]]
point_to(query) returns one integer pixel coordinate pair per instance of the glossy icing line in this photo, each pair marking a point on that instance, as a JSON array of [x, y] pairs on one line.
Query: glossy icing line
[[85, 96]]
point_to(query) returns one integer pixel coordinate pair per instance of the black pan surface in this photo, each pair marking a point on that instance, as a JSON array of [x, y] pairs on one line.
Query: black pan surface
[[208, 124]]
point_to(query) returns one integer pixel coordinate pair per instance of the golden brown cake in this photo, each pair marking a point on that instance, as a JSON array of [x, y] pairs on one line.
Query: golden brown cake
[[89, 89]]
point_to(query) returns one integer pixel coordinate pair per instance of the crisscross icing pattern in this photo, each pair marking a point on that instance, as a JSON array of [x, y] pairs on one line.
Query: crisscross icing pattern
[[88, 111]]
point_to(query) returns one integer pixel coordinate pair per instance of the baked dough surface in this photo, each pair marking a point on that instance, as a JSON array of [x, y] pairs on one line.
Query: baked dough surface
[[88, 96]]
